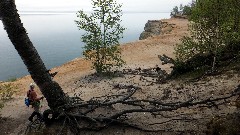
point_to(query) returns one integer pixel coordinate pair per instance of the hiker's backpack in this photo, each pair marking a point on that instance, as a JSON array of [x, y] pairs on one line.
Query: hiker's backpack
[[27, 100]]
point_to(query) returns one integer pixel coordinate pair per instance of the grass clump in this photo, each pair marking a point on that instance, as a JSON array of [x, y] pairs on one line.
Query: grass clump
[[7, 91], [13, 79]]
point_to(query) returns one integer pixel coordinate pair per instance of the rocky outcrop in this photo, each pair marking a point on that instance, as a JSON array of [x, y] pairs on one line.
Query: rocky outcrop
[[155, 27]]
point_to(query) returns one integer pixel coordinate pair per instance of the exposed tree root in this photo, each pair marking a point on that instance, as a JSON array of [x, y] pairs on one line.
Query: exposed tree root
[[82, 116]]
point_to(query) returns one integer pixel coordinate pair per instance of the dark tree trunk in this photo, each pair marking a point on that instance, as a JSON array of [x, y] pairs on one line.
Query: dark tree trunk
[[19, 38]]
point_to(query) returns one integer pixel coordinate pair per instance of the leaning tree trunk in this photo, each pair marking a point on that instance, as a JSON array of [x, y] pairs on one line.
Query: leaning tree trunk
[[19, 38]]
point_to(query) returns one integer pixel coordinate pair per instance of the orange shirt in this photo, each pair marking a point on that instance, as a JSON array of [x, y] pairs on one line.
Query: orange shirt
[[32, 95]]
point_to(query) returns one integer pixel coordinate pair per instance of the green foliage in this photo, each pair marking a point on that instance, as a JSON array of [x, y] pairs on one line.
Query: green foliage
[[103, 32], [7, 91], [187, 49], [195, 66], [218, 17], [12, 79], [187, 10], [175, 10], [215, 24], [183, 10]]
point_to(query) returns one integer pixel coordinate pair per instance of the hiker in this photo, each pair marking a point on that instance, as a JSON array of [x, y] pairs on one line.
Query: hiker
[[35, 102]]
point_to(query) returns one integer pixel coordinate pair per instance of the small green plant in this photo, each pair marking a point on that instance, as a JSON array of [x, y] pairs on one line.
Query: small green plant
[[103, 32], [7, 91], [12, 79]]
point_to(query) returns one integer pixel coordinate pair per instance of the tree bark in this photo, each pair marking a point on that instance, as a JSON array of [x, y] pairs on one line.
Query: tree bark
[[19, 38]]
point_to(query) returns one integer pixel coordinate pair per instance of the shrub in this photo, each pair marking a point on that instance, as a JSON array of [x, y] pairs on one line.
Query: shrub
[[12, 79], [186, 49], [213, 28], [7, 91]]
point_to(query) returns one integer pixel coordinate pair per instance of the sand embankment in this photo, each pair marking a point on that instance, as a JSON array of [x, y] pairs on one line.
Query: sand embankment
[[142, 53], [74, 77]]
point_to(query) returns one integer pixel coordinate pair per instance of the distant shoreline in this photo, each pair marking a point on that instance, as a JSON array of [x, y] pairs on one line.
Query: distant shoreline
[[135, 27], [73, 12]]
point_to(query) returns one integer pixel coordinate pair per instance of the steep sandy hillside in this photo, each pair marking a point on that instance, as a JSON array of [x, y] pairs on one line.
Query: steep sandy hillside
[[75, 77]]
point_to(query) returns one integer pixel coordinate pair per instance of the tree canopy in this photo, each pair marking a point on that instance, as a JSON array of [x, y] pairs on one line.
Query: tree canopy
[[214, 25]]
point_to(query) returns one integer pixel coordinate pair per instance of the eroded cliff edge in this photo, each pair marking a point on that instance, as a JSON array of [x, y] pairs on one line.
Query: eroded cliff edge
[[156, 27]]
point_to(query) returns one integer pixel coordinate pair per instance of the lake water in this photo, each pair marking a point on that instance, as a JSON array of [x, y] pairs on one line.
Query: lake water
[[57, 39]]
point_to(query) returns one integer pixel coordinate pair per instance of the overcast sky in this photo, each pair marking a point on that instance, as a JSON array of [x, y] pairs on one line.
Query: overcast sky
[[75, 5]]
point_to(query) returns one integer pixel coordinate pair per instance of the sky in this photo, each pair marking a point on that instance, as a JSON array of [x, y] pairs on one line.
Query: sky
[[75, 5]]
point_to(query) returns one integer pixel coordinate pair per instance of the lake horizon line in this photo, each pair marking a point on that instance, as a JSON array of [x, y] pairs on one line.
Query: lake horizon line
[[74, 12], [58, 39]]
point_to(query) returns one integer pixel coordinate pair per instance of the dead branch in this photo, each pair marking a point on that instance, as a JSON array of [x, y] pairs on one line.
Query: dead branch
[[155, 73], [51, 74], [100, 121], [96, 102], [179, 119], [165, 59]]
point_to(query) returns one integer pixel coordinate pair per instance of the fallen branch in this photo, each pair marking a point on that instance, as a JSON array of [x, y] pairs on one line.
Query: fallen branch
[[166, 60], [101, 121], [180, 119], [155, 73]]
